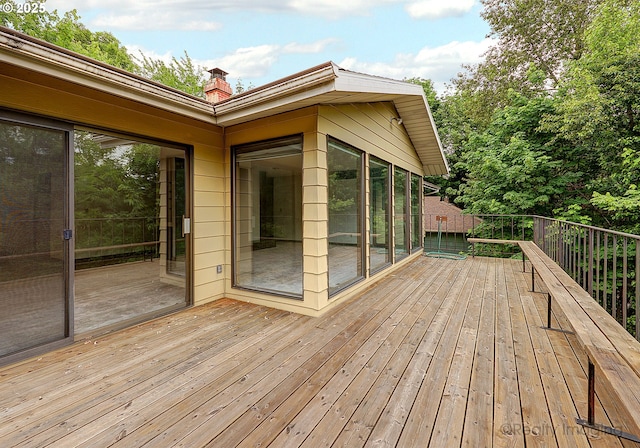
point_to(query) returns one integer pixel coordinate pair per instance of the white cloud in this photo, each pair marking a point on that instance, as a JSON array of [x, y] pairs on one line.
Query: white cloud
[[440, 64], [438, 9], [334, 8], [136, 50], [201, 14], [256, 62], [250, 62], [155, 20], [312, 48]]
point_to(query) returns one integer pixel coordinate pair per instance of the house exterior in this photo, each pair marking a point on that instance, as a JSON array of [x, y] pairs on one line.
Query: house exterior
[[294, 195]]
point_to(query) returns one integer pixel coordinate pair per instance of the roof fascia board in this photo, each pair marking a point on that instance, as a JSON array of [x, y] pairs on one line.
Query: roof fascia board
[[435, 131], [25, 53], [357, 82], [289, 91]]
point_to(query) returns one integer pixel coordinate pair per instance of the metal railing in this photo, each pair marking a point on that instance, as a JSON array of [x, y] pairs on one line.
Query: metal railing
[[101, 238], [604, 262]]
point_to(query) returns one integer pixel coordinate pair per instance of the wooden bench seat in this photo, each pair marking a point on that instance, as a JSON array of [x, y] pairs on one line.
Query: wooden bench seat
[[614, 355], [473, 242]]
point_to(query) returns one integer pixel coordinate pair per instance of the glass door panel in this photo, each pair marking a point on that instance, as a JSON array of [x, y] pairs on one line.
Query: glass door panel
[[130, 254], [176, 216], [33, 214], [345, 215], [379, 250]]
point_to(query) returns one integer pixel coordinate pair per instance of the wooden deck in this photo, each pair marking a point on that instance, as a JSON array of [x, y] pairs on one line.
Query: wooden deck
[[442, 353]]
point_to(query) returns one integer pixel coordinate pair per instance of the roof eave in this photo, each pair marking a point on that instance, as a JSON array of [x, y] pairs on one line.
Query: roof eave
[[34, 54]]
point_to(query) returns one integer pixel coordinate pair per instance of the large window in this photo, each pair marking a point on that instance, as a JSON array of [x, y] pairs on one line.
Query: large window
[[400, 236], [379, 237], [345, 215], [268, 216], [416, 215]]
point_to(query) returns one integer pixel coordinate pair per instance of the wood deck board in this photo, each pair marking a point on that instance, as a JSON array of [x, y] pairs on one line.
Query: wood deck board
[[439, 353]]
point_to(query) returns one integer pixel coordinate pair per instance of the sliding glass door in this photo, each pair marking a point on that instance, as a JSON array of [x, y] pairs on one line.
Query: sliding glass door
[[132, 226], [34, 240], [400, 231]]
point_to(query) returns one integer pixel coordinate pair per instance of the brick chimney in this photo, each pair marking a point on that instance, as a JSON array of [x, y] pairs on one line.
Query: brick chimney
[[217, 88]]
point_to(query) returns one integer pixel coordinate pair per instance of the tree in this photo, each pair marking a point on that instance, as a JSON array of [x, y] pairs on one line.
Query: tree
[[515, 168], [181, 74], [598, 110], [68, 32], [532, 36]]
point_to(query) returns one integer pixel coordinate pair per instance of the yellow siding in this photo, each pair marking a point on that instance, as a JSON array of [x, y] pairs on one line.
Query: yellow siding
[[55, 98], [368, 128], [314, 214]]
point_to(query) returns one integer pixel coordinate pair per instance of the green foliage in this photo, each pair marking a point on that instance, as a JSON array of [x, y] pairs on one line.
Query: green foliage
[[534, 35], [69, 32], [598, 110], [549, 123], [181, 74], [513, 167], [115, 181], [241, 88]]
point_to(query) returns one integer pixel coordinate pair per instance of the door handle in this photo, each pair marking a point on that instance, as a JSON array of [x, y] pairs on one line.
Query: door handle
[[186, 225]]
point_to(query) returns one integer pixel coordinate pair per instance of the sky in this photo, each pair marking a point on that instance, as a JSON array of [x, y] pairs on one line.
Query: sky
[[260, 41]]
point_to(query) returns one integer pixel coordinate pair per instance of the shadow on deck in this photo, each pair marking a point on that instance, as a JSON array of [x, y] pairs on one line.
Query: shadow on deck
[[440, 353]]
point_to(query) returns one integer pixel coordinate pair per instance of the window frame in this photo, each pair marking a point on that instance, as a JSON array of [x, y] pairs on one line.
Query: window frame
[[361, 221], [247, 148]]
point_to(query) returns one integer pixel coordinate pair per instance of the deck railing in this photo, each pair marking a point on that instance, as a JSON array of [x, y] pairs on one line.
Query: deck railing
[[604, 262], [99, 239]]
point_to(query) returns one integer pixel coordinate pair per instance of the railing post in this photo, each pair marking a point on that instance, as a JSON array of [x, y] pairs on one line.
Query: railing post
[[533, 278], [637, 311], [614, 279], [624, 282], [590, 274]]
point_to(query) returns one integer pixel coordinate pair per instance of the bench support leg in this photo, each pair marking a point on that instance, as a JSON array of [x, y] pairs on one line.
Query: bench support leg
[[524, 264], [533, 279], [591, 412], [591, 394], [548, 310]]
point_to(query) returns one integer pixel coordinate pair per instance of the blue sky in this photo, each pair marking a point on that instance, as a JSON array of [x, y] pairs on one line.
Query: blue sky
[[259, 41]]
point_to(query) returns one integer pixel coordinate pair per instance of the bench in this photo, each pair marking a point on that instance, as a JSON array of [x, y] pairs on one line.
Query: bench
[[473, 242], [613, 354]]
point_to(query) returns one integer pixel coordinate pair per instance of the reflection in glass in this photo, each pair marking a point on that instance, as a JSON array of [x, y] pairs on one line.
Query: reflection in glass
[[345, 216], [33, 197], [400, 213], [268, 216], [379, 253], [130, 197], [416, 217]]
